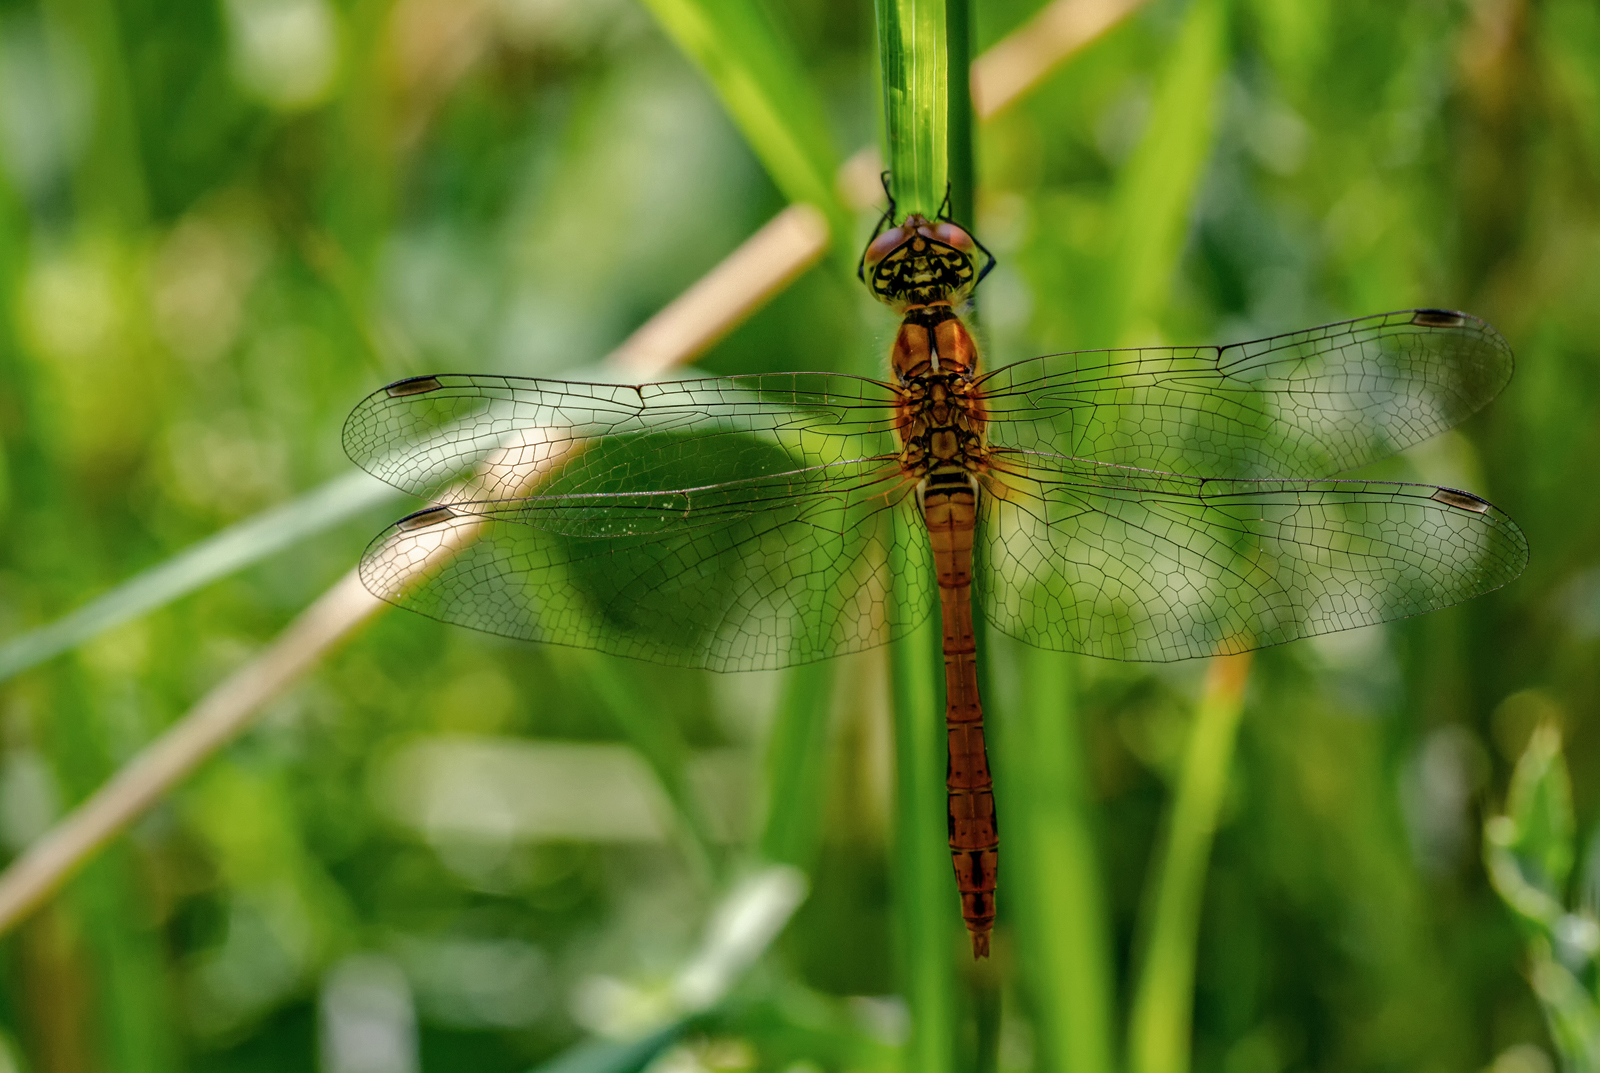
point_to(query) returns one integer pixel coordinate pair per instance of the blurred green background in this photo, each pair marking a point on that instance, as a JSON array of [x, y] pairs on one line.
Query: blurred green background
[[223, 223]]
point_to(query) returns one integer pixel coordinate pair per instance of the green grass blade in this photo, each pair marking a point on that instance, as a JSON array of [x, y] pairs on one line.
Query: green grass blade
[[963, 167], [1154, 200], [111, 907], [987, 998], [656, 740], [797, 768], [1539, 803], [615, 1056], [111, 185], [762, 84], [1156, 191], [1052, 867], [913, 48], [915, 64], [925, 896], [108, 904], [233, 549], [1570, 1012], [1160, 1021], [743, 926]]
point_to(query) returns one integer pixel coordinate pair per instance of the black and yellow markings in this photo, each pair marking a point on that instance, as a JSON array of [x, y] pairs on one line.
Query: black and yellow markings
[[922, 270]]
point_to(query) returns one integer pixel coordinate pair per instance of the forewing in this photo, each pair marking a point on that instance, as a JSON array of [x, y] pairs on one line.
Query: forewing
[[1309, 404], [1135, 565], [750, 574], [509, 433]]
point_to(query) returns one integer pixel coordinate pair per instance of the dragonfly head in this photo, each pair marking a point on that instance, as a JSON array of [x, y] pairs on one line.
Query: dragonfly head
[[921, 261]]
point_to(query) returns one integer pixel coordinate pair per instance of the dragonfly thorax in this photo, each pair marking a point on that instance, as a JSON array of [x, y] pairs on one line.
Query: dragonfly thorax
[[941, 424], [932, 339]]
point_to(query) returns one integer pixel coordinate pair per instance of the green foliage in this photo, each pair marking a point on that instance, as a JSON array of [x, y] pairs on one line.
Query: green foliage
[[1539, 807], [1529, 852]]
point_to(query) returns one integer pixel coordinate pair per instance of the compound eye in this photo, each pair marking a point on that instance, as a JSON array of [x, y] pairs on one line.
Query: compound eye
[[885, 244], [952, 235]]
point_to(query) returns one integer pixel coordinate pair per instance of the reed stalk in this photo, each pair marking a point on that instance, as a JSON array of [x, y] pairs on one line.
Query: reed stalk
[[1161, 1020]]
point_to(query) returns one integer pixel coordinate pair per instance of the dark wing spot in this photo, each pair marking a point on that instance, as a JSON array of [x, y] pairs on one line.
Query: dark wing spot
[[416, 385], [1438, 318], [422, 519], [1462, 500]]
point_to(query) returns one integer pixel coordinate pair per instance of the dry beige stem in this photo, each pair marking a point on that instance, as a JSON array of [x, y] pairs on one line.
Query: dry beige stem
[[859, 182]]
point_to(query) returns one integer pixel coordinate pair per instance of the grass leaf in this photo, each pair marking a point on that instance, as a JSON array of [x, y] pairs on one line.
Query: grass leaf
[[925, 895], [764, 87], [1052, 868], [1160, 1021], [615, 1056], [217, 556], [657, 741], [914, 52], [1540, 804], [797, 767], [914, 62], [1156, 192]]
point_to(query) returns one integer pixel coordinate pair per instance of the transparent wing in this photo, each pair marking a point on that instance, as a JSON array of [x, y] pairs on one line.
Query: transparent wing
[[1137, 565], [757, 573], [1308, 404], [511, 432]]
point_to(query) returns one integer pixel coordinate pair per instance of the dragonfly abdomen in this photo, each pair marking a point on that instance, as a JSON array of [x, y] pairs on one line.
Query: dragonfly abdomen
[[950, 510]]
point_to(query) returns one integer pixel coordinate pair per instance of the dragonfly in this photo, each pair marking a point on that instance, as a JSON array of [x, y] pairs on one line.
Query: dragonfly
[[1149, 504]]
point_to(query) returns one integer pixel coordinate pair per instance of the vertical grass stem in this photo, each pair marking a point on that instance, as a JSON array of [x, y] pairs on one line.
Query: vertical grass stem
[[797, 768], [925, 894], [914, 49], [1163, 1003], [1053, 866]]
